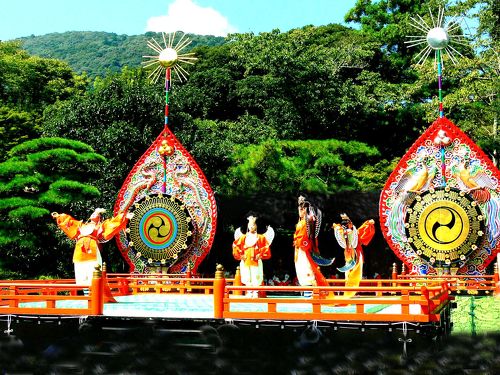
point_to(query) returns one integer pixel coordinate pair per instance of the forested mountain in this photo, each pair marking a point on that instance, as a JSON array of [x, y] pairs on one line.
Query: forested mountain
[[99, 53]]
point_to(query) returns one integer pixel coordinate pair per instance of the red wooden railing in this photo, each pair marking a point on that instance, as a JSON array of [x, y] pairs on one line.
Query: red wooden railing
[[416, 298], [458, 283], [428, 301], [126, 284], [21, 297]]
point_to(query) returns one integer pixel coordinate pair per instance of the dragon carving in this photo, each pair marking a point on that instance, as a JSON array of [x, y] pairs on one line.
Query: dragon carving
[[148, 171]]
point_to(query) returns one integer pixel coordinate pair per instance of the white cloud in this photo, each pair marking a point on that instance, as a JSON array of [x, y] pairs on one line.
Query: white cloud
[[187, 16]]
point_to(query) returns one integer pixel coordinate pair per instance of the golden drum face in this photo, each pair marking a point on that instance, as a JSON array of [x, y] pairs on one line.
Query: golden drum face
[[160, 229], [444, 226]]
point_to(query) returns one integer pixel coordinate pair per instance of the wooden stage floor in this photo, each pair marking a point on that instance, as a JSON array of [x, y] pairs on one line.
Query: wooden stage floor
[[201, 306]]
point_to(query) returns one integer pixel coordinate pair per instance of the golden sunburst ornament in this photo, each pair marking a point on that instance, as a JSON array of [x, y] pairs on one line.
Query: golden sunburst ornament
[[169, 56], [438, 37]]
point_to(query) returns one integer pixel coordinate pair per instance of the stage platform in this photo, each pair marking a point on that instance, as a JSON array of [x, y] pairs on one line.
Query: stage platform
[[218, 301], [193, 306]]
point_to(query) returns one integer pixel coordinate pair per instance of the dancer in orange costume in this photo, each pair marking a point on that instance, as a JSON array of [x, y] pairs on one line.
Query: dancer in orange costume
[[351, 239], [305, 242], [250, 248], [89, 235]]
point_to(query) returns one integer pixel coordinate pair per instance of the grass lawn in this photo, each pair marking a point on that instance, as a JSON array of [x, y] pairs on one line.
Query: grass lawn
[[476, 314]]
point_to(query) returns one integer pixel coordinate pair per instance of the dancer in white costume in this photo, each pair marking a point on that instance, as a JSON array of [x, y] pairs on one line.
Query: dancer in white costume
[[250, 248]]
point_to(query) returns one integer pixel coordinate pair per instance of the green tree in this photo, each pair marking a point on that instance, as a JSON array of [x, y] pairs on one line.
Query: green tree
[[388, 22], [312, 166], [213, 142], [31, 82], [15, 126], [309, 83], [475, 103], [119, 116], [40, 176], [27, 85], [471, 85], [296, 81]]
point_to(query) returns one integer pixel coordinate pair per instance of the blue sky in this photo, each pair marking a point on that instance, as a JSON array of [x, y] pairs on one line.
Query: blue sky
[[20, 18]]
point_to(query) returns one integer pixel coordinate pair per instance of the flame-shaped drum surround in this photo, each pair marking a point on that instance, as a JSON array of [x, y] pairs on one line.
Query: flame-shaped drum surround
[[445, 164], [174, 178]]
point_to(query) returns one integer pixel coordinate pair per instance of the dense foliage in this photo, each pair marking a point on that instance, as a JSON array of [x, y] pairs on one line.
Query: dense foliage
[[40, 176], [28, 84], [118, 116], [314, 166]]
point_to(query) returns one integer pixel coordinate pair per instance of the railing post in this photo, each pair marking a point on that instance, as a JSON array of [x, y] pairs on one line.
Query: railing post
[[425, 293], [97, 292], [237, 281], [219, 287], [445, 295], [316, 306], [394, 275], [188, 276], [13, 292], [124, 288], [394, 271], [108, 296], [496, 279], [403, 270], [405, 303]]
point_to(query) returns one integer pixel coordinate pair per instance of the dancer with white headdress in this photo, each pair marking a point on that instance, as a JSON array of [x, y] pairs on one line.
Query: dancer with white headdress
[[250, 249]]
